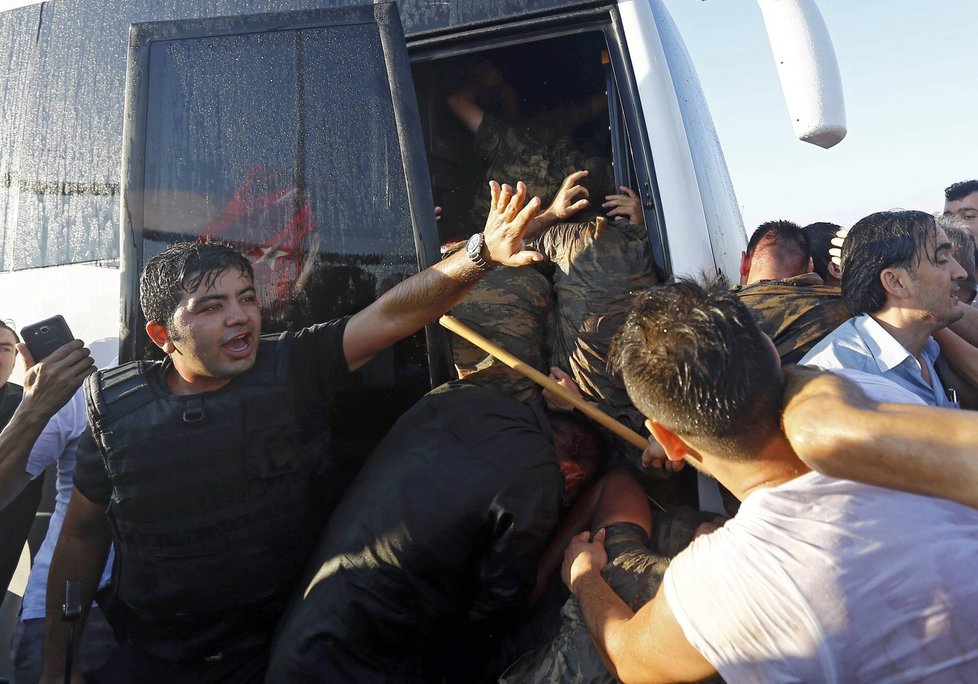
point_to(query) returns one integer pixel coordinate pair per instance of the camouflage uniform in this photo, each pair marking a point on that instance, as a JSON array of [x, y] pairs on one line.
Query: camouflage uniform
[[512, 307], [634, 571], [526, 153], [600, 265], [795, 312]]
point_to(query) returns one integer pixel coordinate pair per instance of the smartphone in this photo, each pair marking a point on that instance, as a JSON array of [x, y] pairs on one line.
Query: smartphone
[[44, 337]]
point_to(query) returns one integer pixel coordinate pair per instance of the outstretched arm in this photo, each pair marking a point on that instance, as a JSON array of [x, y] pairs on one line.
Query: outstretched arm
[[839, 431], [412, 303], [570, 199], [48, 385]]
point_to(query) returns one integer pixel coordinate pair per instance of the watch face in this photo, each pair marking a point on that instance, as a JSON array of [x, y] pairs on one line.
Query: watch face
[[474, 245]]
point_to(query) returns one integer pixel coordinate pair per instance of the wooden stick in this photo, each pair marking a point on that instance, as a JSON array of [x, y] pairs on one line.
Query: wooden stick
[[588, 409]]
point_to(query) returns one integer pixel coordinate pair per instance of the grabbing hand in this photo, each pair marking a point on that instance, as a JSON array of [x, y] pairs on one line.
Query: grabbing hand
[[570, 199], [627, 206], [654, 456], [583, 557], [507, 222], [49, 384], [835, 251], [554, 401]]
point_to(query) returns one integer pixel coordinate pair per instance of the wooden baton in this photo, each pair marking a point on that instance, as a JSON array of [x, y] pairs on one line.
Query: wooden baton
[[591, 411]]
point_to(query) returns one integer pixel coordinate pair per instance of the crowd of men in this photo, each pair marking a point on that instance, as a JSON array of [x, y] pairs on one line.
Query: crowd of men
[[208, 475]]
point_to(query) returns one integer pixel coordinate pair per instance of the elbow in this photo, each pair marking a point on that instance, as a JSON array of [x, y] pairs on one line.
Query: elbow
[[809, 429]]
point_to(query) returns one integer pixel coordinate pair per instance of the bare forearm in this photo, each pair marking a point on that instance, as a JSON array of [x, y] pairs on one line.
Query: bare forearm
[[962, 355], [16, 442], [919, 449], [80, 555], [409, 306], [967, 326], [605, 615]]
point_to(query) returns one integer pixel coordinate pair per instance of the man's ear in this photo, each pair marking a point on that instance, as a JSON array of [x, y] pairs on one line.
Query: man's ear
[[676, 448], [894, 281], [834, 270], [161, 338], [744, 266], [811, 265]]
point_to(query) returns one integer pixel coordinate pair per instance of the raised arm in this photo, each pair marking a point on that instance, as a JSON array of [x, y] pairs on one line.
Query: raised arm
[[418, 300], [839, 431], [47, 387], [80, 555]]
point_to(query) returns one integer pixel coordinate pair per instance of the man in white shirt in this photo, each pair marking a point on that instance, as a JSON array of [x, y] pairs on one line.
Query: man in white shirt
[[813, 579], [899, 279]]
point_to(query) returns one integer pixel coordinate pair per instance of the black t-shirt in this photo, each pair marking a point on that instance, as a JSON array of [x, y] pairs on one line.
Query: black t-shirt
[[317, 367], [444, 524]]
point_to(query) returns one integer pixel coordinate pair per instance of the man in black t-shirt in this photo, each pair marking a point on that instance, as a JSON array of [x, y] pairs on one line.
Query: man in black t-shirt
[[439, 534], [202, 469]]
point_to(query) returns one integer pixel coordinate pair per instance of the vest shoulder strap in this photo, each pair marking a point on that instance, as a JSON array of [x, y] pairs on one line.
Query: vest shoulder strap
[[117, 391]]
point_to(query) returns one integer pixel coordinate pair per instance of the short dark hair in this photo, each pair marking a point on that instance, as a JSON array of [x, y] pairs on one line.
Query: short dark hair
[[787, 242], [182, 267], [960, 190], [8, 325], [694, 359], [820, 236], [886, 239]]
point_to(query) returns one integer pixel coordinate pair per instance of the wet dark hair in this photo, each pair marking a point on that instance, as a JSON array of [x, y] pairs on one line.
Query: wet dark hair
[[960, 190], [820, 236], [8, 325], [183, 267], [886, 239], [693, 358]]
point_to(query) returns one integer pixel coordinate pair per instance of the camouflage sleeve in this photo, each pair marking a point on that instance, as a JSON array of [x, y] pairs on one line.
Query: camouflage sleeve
[[512, 307]]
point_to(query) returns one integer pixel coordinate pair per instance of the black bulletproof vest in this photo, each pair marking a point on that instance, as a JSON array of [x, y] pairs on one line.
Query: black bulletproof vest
[[211, 494]]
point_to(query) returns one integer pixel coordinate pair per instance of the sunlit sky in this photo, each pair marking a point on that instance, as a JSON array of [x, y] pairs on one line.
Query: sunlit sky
[[908, 70]]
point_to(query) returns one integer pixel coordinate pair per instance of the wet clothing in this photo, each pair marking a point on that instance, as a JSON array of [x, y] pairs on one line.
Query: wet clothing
[[861, 343], [826, 580], [443, 526], [796, 313], [512, 307], [600, 266], [212, 497]]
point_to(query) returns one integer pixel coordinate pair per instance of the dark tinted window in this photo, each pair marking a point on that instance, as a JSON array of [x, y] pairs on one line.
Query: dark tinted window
[[291, 145]]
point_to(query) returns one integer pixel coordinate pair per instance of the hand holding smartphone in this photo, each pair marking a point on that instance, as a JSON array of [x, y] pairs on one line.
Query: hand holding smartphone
[[44, 337]]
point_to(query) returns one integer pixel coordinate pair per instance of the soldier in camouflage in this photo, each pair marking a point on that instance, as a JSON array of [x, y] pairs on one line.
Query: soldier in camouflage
[[513, 307], [790, 303], [599, 264]]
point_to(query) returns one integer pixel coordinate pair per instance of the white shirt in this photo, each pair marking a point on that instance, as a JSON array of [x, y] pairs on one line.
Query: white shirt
[[861, 343], [825, 580]]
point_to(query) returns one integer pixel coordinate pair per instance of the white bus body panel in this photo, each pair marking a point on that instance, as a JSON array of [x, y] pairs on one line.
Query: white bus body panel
[[703, 221]]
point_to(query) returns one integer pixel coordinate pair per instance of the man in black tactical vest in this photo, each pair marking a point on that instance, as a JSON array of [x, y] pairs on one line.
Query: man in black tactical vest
[[201, 468]]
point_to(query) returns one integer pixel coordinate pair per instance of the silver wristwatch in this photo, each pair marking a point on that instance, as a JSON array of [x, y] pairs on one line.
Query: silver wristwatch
[[474, 249]]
